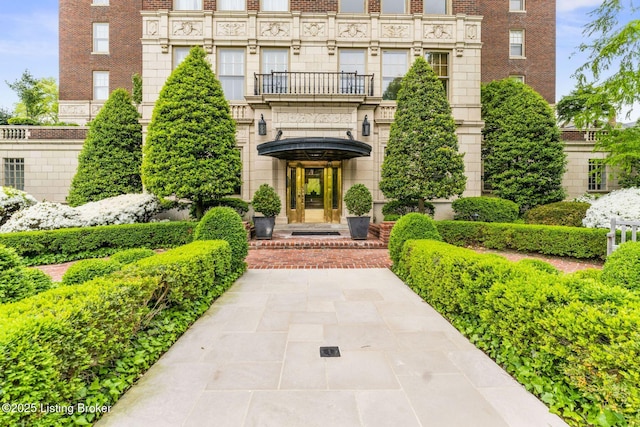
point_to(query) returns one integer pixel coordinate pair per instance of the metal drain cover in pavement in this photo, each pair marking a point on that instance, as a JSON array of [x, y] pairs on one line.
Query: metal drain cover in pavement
[[329, 352]]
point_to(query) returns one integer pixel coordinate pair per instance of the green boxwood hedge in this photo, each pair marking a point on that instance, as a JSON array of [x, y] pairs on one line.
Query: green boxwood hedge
[[623, 266], [570, 339], [583, 243], [87, 344], [487, 209], [16, 280], [70, 244], [87, 269], [569, 214], [410, 226]]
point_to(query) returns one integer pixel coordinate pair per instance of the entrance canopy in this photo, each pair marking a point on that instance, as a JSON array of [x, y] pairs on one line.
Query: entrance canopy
[[314, 148]]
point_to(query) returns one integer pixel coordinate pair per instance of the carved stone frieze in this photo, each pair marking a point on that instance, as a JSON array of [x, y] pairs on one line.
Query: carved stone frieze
[[352, 30], [231, 29], [438, 31], [73, 110], [313, 29], [274, 29], [288, 118], [395, 31], [187, 28]]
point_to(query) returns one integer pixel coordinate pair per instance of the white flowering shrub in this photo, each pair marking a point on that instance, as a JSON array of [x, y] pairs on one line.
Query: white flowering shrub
[[124, 209], [12, 200], [623, 204], [587, 198]]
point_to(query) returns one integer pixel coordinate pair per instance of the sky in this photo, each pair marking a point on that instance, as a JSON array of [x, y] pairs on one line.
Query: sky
[[29, 40]]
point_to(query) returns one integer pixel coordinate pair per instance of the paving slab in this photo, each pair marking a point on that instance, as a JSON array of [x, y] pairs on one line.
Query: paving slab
[[254, 360]]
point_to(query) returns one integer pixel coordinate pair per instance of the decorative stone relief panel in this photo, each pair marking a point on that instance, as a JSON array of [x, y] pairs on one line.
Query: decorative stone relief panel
[[152, 27], [73, 110], [285, 118], [274, 29], [231, 29], [187, 28], [352, 30], [395, 31], [438, 31], [471, 32], [313, 29]]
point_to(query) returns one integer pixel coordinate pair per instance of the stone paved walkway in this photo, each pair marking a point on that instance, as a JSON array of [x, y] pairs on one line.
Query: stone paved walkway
[[254, 360]]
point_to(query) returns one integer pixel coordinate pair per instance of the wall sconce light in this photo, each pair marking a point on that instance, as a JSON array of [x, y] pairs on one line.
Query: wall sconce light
[[366, 127], [262, 126]]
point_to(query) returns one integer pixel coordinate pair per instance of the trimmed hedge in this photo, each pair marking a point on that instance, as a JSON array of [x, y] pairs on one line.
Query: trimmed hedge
[[70, 244], [17, 281], [582, 243], [129, 256], [569, 214], [88, 343], [224, 223], [394, 209], [87, 269], [623, 267], [410, 226], [488, 209], [570, 339]]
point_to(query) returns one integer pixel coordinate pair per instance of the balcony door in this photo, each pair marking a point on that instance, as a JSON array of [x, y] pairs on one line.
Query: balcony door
[[275, 62], [314, 192], [352, 64]]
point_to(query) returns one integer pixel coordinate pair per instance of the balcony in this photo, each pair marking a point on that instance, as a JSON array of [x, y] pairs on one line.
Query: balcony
[[313, 83]]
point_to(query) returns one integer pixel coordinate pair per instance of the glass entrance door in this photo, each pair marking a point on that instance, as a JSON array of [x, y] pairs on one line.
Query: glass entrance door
[[313, 192]]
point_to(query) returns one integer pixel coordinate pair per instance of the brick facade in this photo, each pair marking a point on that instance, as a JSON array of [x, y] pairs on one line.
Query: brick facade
[[77, 62]]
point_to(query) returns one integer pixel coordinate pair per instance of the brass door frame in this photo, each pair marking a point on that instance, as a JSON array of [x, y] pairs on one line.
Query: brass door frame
[[332, 180]]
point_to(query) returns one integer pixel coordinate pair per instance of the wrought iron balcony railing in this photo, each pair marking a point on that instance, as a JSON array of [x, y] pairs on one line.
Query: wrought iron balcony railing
[[311, 83]]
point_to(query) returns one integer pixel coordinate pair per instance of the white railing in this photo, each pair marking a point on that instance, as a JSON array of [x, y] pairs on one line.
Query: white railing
[[623, 224], [14, 133]]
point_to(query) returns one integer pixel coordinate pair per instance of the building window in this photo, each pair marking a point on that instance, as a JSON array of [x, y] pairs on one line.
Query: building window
[[187, 5], [352, 62], [439, 61], [179, 53], [394, 67], [14, 173], [231, 5], [100, 2], [100, 37], [352, 6], [517, 78], [435, 7], [275, 63], [597, 175], [394, 6], [275, 5], [231, 72], [516, 43], [516, 5], [100, 85]]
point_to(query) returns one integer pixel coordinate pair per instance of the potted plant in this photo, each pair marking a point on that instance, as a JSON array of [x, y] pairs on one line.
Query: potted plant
[[267, 202], [358, 201]]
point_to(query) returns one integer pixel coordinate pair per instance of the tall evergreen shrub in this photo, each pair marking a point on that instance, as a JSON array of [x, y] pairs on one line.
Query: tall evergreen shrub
[[110, 160], [190, 151]]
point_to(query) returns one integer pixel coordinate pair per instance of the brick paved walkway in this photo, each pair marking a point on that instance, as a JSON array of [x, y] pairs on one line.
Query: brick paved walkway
[[318, 258]]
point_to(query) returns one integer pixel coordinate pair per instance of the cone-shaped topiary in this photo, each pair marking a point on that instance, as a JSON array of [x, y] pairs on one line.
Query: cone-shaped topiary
[[110, 160], [358, 200], [524, 159], [266, 201], [190, 151], [422, 160]]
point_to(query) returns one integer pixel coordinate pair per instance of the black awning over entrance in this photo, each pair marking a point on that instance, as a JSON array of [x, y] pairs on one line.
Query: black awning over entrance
[[314, 148]]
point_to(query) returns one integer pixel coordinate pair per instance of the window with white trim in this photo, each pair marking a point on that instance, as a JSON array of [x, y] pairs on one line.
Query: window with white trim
[[394, 66], [352, 6], [352, 63], [275, 5], [187, 5], [439, 61], [179, 53], [231, 5], [274, 64], [516, 5], [517, 78], [394, 6], [516, 43], [100, 37], [231, 72], [435, 7], [14, 173], [597, 175], [100, 85]]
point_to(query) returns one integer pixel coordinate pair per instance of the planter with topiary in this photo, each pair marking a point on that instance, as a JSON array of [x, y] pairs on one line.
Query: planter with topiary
[[267, 202], [358, 202]]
